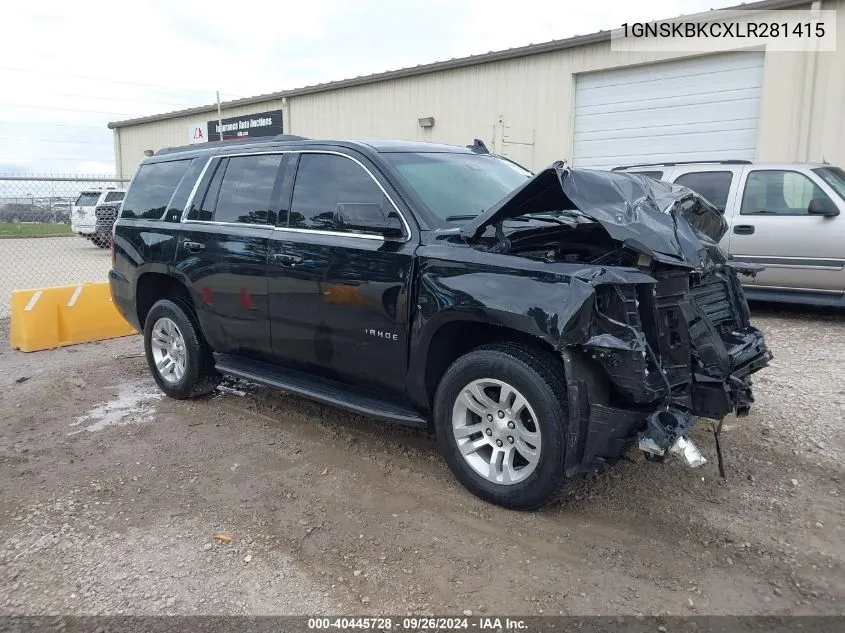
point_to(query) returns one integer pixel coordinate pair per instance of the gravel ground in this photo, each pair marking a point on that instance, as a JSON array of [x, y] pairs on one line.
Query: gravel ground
[[48, 261], [110, 496]]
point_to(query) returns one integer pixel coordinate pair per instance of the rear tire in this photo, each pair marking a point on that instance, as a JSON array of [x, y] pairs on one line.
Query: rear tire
[[177, 354], [500, 415]]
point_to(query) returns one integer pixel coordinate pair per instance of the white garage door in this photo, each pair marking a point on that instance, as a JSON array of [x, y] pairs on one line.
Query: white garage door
[[704, 108]]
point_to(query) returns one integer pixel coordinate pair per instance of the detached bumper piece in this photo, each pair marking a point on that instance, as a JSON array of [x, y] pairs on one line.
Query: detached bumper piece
[[665, 432]]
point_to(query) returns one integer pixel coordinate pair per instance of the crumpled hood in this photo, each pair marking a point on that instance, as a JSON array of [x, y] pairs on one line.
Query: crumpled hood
[[668, 222]]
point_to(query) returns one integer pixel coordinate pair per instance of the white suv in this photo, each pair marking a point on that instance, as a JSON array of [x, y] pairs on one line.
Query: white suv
[[83, 218], [785, 216]]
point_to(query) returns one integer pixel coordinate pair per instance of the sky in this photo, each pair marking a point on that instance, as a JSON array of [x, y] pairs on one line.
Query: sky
[[68, 68]]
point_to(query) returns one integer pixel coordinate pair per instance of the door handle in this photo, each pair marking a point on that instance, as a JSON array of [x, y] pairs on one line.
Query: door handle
[[286, 258], [744, 229], [193, 246]]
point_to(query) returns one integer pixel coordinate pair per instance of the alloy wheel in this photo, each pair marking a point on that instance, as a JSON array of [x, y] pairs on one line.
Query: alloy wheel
[[496, 431], [168, 348]]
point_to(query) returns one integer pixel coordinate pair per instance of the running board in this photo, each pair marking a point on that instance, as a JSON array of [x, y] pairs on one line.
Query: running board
[[318, 388]]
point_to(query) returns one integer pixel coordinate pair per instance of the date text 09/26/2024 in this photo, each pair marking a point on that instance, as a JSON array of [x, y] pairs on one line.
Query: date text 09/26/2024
[[417, 623]]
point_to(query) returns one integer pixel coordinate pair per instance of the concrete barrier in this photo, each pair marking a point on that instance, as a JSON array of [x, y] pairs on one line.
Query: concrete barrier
[[45, 318]]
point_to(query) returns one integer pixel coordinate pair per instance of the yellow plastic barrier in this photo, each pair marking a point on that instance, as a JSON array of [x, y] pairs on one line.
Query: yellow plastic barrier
[[45, 318]]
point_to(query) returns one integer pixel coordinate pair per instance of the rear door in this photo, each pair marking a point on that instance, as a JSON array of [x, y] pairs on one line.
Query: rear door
[[339, 299], [773, 226], [223, 250]]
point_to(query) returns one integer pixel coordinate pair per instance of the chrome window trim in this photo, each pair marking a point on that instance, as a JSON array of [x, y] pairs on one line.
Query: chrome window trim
[[407, 228], [366, 236], [193, 193], [269, 227], [369, 236]]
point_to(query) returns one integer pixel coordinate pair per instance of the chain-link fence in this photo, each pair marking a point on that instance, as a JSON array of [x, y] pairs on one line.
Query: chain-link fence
[[54, 230]]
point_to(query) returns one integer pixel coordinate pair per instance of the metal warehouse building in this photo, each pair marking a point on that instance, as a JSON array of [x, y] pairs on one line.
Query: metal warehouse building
[[574, 99]]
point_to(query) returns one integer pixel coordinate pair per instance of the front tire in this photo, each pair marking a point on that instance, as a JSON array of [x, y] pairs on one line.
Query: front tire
[[500, 415], [177, 354]]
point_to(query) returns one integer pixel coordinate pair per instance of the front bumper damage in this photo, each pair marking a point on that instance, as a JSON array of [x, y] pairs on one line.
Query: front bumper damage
[[681, 349], [650, 349]]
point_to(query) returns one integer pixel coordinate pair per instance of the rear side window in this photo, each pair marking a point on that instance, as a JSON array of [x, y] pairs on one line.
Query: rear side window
[[183, 191], [322, 182], [713, 185], [152, 189], [779, 192], [246, 190], [87, 199], [206, 207], [114, 196]]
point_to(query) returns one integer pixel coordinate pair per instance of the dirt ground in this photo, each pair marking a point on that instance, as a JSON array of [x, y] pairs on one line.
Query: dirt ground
[[110, 496]]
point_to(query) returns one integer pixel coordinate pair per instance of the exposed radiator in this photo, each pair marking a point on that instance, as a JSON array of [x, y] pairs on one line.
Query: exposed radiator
[[712, 295]]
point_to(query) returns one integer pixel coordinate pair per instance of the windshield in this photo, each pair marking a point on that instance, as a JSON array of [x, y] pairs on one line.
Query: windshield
[[87, 199], [457, 187], [835, 177]]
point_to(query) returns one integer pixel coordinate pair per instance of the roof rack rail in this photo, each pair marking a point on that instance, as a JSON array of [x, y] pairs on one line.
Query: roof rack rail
[[232, 141], [685, 162]]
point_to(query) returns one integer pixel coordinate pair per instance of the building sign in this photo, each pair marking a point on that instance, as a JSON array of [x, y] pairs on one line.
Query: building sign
[[246, 126], [197, 133]]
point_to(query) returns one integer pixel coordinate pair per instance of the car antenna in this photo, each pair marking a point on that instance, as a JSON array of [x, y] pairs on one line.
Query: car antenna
[[478, 147]]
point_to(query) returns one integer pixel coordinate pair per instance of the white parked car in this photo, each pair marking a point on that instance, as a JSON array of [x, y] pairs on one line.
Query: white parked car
[[789, 217], [83, 217]]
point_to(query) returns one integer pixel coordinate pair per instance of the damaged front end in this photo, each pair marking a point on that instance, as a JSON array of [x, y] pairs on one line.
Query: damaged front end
[[663, 337]]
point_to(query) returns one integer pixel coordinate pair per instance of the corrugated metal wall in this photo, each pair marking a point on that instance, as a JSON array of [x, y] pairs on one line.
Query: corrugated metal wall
[[520, 107], [524, 107]]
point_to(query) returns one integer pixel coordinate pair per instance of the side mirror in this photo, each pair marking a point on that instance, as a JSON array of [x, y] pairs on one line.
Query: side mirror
[[368, 217], [822, 206]]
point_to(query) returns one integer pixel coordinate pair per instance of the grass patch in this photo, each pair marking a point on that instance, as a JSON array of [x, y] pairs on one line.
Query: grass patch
[[33, 229]]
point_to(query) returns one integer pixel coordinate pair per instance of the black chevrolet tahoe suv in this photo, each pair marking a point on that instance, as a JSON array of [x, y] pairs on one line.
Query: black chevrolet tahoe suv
[[539, 325]]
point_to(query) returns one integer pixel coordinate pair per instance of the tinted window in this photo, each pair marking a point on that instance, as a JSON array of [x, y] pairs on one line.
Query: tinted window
[[87, 199], [780, 192], [114, 196], [246, 192], [657, 175], [183, 191], [458, 186], [206, 206], [322, 182], [713, 185], [152, 189]]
